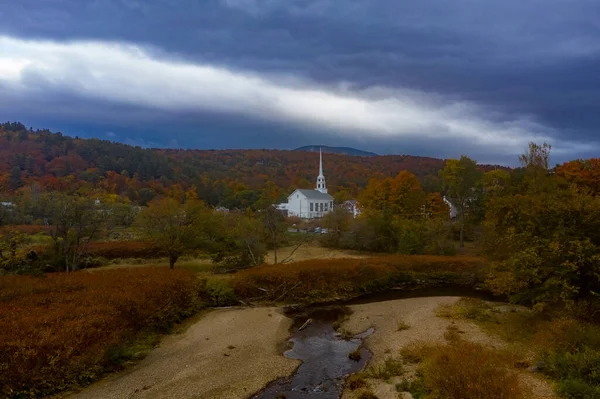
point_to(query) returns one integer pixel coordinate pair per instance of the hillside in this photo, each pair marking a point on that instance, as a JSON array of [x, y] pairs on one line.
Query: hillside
[[234, 178], [337, 150]]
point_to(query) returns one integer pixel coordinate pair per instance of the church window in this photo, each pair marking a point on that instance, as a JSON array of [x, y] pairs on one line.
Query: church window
[[326, 207], [331, 204], [311, 206], [321, 207]]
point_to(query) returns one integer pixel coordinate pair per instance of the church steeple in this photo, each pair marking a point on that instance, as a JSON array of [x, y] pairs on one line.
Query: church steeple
[[321, 185], [320, 163]]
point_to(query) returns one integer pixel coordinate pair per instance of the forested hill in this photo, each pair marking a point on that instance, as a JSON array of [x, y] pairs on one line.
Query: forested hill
[[52, 161], [336, 150]]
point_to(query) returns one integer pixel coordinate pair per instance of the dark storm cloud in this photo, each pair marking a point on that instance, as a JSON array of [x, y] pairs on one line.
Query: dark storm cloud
[[532, 62]]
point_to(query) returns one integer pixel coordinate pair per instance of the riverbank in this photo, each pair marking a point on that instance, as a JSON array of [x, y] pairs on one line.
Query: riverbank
[[227, 354], [235, 353], [401, 323]]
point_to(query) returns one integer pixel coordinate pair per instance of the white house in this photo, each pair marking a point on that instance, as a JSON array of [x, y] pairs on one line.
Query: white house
[[310, 204], [352, 207]]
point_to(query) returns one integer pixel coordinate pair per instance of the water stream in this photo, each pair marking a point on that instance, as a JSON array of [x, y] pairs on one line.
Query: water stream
[[325, 353]]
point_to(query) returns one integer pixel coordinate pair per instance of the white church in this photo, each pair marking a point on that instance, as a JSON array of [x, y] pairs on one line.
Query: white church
[[310, 204]]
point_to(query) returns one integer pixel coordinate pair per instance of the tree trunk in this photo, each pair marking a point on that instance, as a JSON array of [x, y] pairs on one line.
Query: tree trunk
[[462, 230], [172, 260], [66, 254], [275, 248]]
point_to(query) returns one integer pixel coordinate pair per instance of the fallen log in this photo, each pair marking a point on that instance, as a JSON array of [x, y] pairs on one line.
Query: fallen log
[[306, 323]]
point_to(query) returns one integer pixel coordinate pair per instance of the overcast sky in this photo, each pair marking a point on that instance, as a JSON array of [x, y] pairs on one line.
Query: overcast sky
[[437, 77]]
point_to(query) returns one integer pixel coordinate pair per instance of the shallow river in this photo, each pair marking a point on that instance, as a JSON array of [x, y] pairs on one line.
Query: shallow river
[[325, 353]]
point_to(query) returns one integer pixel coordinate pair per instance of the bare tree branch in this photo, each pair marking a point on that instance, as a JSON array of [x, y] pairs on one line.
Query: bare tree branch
[[295, 249]]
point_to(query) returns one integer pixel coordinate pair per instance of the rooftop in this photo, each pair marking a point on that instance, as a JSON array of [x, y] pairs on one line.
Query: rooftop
[[314, 194]]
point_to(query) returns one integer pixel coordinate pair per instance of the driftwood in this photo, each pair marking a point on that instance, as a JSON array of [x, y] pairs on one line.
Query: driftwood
[[270, 294], [306, 323], [287, 292]]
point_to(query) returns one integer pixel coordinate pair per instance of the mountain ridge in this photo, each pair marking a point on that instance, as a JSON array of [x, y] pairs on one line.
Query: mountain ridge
[[337, 150]]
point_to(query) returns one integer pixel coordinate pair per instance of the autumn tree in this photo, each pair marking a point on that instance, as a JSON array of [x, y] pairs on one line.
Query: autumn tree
[[269, 195], [535, 163], [74, 222], [544, 240], [401, 196], [395, 216], [584, 175], [377, 196], [172, 227], [14, 180], [496, 182], [7, 213], [461, 178], [435, 207], [238, 241], [545, 247], [11, 242], [342, 195], [337, 222], [274, 226]]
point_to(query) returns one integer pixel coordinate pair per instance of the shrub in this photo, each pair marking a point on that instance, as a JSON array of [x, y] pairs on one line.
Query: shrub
[[416, 387], [465, 308], [568, 334], [390, 368], [452, 333], [367, 395], [571, 352], [467, 370], [92, 261], [402, 326], [415, 352], [25, 228], [411, 237], [582, 364], [66, 329], [326, 279], [219, 292], [577, 389], [356, 381]]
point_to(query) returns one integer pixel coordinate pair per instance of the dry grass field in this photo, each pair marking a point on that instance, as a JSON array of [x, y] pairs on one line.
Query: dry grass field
[[311, 251]]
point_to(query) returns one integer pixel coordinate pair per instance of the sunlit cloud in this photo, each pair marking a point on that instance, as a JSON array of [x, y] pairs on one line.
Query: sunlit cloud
[[132, 75]]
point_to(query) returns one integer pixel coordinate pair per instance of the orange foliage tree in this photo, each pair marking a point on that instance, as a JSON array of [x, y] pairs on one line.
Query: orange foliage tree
[[584, 174], [400, 196]]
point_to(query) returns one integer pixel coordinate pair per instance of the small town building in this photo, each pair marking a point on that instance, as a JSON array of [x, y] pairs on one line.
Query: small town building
[[453, 210], [310, 204], [352, 207]]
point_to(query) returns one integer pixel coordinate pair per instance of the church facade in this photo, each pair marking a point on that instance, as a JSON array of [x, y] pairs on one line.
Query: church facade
[[310, 204]]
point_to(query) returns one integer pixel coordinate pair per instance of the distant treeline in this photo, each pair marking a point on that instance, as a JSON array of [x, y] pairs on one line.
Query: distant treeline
[[47, 161]]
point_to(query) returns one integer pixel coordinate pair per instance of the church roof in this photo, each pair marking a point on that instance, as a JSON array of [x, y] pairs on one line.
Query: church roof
[[314, 194]]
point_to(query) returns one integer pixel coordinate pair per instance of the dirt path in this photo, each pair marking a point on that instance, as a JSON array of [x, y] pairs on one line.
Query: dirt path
[[424, 326], [229, 353]]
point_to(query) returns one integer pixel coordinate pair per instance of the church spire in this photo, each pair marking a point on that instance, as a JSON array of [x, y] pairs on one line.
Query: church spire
[[320, 162], [321, 185]]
